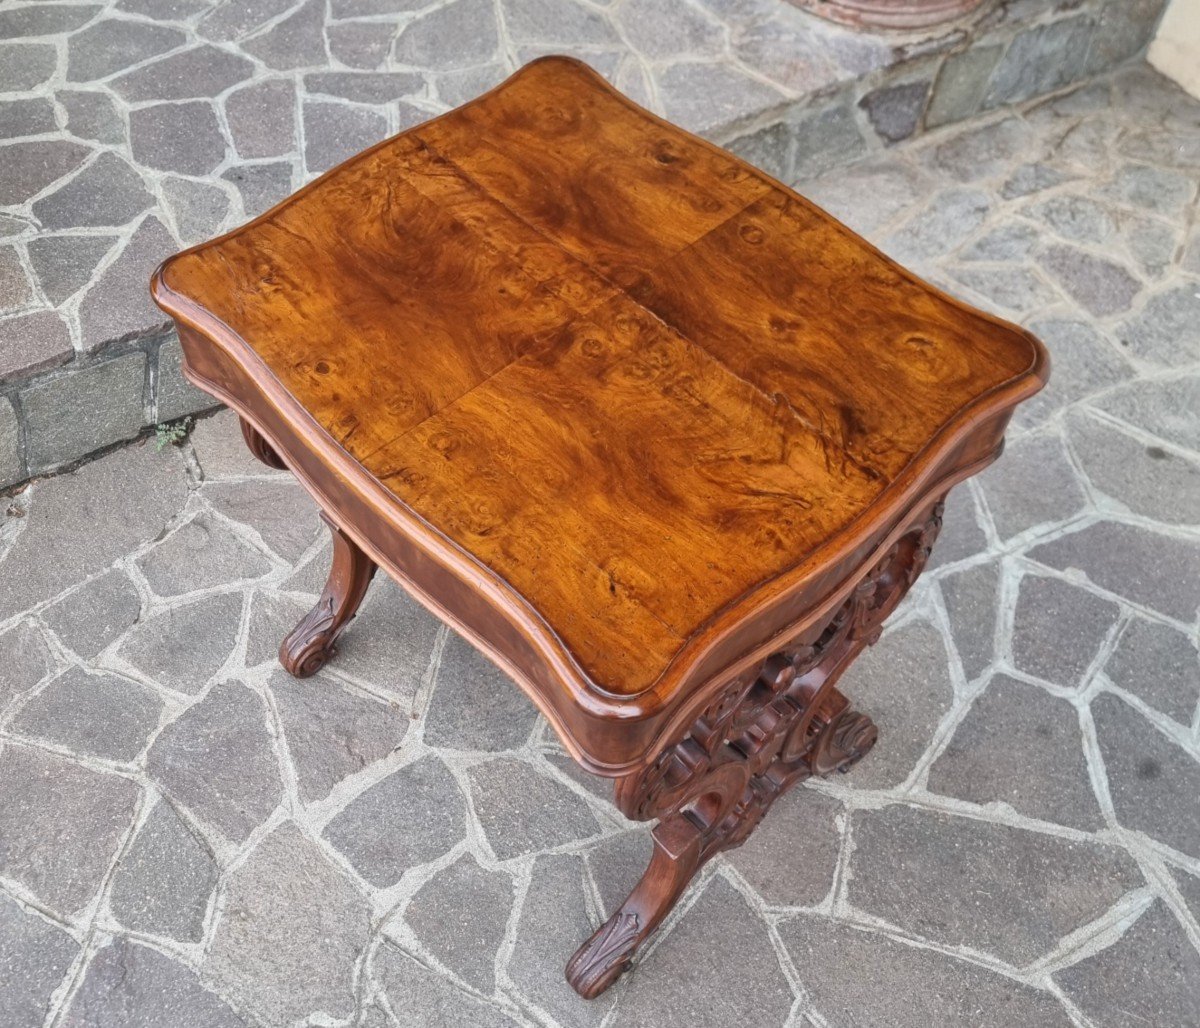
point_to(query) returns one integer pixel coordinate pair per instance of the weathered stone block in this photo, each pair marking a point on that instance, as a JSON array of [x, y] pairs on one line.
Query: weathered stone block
[[961, 85], [12, 468]]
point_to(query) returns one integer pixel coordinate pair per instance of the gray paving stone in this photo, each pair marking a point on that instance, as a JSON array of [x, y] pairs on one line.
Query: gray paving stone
[[949, 219], [1100, 286], [665, 30], [64, 417], [460, 916], [688, 981], [107, 46], [183, 647], [1152, 781], [201, 554], [334, 132], [1159, 665], [174, 395], [422, 796], [553, 922], [295, 42], [34, 956], [475, 705], [1008, 290], [1155, 189], [201, 71], [107, 192], [238, 19], [523, 811], [60, 825], [561, 22], [182, 137], [903, 683], [791, 857], [33, 342], [980, 153], [26, 659], [707, 97], [1167, 329], [1006, 891], [972, 598], [961, 85], [769, 149], [1152, 243], [92, 115], [1011, 241], [364, 87], [1148, 480], [291, 933], [895, 110], [1021, 746], [132, 985], [272, 617], [1122, 29], [868, 194], [118, 306], [1032, 178], [165, 880], [1159, 571], [1189, 885], [220, 449], [280, 510], [262, 118], [617, 863], [961, 536], [44, 19], [25, 66], [15, 288], [1040, 60], [29, 117], [457, 35], [362, 45], [93, 713], [1077, 218], [1058, 629], [65, 264], [197, 208], [417, 995], [146, 487], [1163, 407], [1033, 484], [217, 762], [827, 137], [332, 733], [11, 465], [262, 185], [31, 167], [1156, 955], [904, 986]]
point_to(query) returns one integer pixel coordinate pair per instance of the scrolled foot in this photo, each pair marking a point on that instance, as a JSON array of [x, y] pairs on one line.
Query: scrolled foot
[[605, 956], [310, 645]]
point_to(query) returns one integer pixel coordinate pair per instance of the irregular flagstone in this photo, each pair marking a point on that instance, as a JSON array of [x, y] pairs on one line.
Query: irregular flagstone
[[868, 194], [467, 685], [1167, 329], [1011, 290], [236, 19], [222, 452], [423, 797], [11, 469], [1163, 407], [34, 956], [961, 536], [201, 71], [1021, 746], [201, 554], [165, 879], [1160, 571], [460, 916], [134, 986], [1040, 60], [617, 863], [903, 683], [295, 42], [417, 995], [290, 934], [1189, 885], [112, 44], [107, 192], [1077, 218], [131, 493], [33, 342], [272, 617], [60, 825], [217, 761], [791, 857], [279, 509], [563, 22], [183, 647], [522, 811], [457, 35], [980, 153], [25, 66], [262, 185], [262, 118], [1032, 178], [1152, 243], [895, 111], [26, 117], [1152, 781], [362, 45], [1154, 953], [65, 264], [1100, 286], [688, 981], [183, 137], [904, 986], [1156, 189], [15, 289], [1148, 480], [364, 87], [25, 658], [44, 19], [1006, 891], [331, 732], [31, 167], [1011, 241], [948, 220], [92, 115], [666, 30], [334, 132], [552, 923], [1058, 629], [1159, 665], [93, 713], [198, 210], [972, 599], [706, 97]]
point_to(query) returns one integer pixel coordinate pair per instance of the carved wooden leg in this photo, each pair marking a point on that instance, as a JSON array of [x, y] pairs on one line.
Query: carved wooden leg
[[312, 642], [260, 447], [758, 737]]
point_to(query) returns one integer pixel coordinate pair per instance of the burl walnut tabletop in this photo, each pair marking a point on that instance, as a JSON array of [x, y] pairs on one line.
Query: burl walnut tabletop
[[658, 435]]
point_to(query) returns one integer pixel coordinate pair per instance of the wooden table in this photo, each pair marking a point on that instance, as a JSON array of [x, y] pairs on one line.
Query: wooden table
[[664, 440]]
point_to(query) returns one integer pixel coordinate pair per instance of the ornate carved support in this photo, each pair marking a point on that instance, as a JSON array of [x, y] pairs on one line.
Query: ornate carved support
[[313, 641], [760, 735], [890, 14], [260, 447]]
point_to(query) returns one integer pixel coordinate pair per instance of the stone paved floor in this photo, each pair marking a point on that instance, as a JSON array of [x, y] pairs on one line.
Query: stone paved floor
[[189, 837]]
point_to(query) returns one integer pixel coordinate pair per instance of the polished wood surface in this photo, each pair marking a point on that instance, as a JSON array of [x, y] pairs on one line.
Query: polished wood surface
[[628, 377]]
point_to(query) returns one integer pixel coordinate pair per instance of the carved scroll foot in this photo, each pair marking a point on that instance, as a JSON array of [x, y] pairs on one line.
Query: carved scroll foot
[[313, 641], [260, 447]]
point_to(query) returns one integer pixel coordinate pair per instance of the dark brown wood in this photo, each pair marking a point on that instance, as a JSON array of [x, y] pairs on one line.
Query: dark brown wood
[[891, 14], [658, 435], [313, 641]]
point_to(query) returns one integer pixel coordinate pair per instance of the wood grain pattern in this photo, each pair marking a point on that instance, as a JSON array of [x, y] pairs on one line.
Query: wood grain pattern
[[650, 406]]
